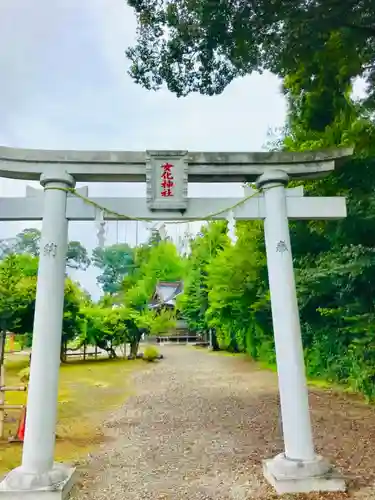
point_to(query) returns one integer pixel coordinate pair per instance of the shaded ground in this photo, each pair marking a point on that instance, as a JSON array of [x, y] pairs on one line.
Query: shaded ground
[[200, 425], [88, 391]]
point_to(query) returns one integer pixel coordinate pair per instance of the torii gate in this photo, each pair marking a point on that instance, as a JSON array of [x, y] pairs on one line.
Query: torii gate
[[299, 468]]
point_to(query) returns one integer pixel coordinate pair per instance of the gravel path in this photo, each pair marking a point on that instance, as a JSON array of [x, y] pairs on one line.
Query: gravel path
[[198, 428]]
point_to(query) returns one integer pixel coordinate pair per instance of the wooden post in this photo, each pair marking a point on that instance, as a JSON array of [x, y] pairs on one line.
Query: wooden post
[[96, 352], [2, 345], [12, 407], [2, 400], [84, 351], [13, 389], [2, 380]]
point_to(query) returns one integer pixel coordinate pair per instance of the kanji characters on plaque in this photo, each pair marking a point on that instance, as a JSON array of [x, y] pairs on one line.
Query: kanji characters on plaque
[[167, 180]]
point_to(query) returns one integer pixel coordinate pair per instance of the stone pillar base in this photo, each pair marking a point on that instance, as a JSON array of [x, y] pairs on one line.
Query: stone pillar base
[[54, 485], [295, 476]]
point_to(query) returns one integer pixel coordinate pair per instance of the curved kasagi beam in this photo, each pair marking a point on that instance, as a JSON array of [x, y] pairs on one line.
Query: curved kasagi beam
[[130, 166]]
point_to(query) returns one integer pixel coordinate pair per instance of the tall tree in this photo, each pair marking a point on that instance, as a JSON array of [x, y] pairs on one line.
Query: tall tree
[[77, 256], [17, 293], [28, 242], [152, 264], [235, 281], [18, 280], [204, 247], [115, 262], [201, 45]]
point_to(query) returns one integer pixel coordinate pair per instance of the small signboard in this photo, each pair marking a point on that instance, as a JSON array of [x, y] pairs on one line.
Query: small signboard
[[167, 180]]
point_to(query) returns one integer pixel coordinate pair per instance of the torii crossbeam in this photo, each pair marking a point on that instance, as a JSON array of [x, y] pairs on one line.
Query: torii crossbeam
[[167, 173]]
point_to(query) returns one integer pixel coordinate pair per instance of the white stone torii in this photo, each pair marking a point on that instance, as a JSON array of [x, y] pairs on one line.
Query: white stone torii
[[298, 468]]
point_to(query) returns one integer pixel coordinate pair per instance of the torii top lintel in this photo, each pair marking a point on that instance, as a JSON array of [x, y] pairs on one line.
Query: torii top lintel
[[131, 166]]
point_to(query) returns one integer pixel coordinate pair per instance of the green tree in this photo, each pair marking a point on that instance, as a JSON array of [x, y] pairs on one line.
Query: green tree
[[28, 242], [204, 247], [18, 281], [153, 263], [201, 46], [77, 256], [334, 260], [235, 283], [102, 328], [115, 262], [110, 327], [163, 263], [73, 320], [17, 295]]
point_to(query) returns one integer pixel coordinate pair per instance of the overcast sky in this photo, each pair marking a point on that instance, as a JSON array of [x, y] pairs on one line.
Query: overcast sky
[[64, 85]]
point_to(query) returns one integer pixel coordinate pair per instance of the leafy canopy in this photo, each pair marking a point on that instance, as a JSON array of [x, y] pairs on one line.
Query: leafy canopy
[[115, 262], [202, 45]]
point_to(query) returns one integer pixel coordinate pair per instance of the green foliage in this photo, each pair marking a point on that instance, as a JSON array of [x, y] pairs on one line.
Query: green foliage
[[151, 353], [73, 322], [115, 319], [77, 256], [18, 279], [103, 327], [109, 327], [153, 263], [234, 286], [201, 45], [17, 293], [115, 262], [194, 301], [227, 290], [162, 321], [28, 241]]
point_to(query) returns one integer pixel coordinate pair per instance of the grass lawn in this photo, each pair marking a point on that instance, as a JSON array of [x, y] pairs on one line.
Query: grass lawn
[[311, 382], [88, 392]]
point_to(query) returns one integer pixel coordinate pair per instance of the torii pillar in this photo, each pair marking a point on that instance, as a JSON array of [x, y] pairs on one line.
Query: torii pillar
[[39, 477], [298, 469]]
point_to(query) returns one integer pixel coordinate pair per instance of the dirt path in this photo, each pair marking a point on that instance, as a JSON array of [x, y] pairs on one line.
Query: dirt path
[[200, 425]]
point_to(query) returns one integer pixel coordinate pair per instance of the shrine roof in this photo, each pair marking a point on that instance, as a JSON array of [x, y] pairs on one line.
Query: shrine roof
[[166, 293], [130, 166]]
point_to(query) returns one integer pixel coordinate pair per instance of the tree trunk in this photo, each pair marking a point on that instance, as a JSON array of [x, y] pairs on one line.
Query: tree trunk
[[112, 353], [63, 349], [215, 343], [134, 349]]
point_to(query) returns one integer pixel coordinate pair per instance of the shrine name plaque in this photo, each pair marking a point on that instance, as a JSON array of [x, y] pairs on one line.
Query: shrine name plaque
[[167, 180]]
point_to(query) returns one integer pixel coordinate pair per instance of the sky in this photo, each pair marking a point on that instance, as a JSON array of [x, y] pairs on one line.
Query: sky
[[64, 85]]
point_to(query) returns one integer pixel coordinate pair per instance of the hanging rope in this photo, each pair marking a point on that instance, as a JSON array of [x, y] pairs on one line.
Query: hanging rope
[[105, 210]]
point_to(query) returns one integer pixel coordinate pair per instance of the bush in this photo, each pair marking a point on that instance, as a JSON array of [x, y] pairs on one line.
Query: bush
[[151, 353]]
